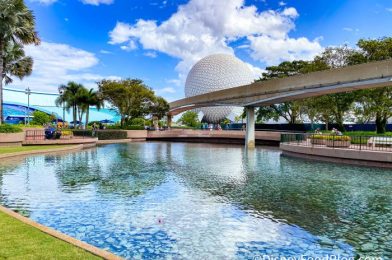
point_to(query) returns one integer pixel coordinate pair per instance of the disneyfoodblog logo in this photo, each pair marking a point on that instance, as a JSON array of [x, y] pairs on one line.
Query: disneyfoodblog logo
[[305, 257]]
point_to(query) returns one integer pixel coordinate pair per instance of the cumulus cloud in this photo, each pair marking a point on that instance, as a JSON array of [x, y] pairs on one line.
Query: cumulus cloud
[[56, 64], [167, 90], [97, 2], [203, 27], [151, 54], [273, 51]]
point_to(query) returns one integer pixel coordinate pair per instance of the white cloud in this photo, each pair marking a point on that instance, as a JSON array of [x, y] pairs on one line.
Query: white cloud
[[389, 9], [257, 72], [105, 52], [203, 27], [130, 46], [151, 54], [56, 64], [281, 3], [273, 51], [349, 29], [97, 2], [167, 90], [290, 12]]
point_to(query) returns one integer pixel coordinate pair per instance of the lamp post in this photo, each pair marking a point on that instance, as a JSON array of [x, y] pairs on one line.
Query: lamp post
[[61, 92], [28, 93]]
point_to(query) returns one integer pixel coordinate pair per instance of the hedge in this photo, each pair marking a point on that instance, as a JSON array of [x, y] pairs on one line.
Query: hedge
[[110, 135], [10, 129], [102, 134], [331, 137]]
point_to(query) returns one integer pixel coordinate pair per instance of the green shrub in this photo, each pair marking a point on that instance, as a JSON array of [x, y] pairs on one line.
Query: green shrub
[[338, 137], [331, 137], [137, 121], [115, 126], [77, 132], [40, 118], [102, 134], [318, 137], [10, 129], [94, 122], [111, 134]]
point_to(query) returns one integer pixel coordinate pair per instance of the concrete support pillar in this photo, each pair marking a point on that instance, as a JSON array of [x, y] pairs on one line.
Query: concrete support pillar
[[250, 128], [169, 120]]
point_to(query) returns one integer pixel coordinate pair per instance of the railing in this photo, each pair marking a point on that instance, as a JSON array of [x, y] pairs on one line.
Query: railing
[[40, 135], [371, 143]]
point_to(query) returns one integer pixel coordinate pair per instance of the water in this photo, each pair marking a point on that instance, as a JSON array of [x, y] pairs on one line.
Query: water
[[183, 201]]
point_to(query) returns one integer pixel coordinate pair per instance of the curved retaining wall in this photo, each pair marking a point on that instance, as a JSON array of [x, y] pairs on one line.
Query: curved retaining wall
[[340, 155], [215, 136]]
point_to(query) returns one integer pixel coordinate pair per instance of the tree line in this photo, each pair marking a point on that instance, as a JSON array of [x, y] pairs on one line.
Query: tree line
[[131, 98], [363, 105]]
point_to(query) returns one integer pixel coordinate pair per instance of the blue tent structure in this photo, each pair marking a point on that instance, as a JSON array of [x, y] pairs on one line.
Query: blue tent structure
[[17, 113]]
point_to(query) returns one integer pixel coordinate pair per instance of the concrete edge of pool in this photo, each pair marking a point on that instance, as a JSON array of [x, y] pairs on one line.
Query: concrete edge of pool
[[365, 158], [43, 151], [56, 234]]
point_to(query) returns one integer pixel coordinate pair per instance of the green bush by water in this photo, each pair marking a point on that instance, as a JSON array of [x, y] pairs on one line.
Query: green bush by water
[[10, 129], [102, 134]]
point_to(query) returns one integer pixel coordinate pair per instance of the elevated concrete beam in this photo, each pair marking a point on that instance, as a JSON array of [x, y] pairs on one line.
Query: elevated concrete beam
[[250, 128], [369, 75]]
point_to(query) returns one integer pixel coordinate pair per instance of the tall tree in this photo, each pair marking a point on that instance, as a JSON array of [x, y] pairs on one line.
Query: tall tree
[[16, 63], [291, 111], [375, 103], [17, 26], [131, 97], [92, 98], [189, 118], [159, 107], [70, 98]]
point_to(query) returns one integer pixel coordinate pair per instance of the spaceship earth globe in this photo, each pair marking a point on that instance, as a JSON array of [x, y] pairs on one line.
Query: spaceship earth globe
[[217, 72]]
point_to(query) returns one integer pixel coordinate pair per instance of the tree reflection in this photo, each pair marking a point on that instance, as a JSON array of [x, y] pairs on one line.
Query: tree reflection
[[112, 169]]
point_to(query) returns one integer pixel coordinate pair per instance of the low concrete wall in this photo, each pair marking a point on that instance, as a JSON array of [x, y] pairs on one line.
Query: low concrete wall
[[262, 137], [341, 155], [11, 139], [136, 134], [88, 142]]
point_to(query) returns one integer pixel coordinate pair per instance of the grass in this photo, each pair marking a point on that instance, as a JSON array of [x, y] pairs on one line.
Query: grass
[[21, 241], [15, 149]]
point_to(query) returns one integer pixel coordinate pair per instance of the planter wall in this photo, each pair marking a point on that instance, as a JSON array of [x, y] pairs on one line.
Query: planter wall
[[337, 143], [317, 141], [12, 139]]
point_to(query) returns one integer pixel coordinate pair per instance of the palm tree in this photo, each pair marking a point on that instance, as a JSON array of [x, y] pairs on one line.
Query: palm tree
[[17, 26], [15, 63], [93, 98], [70, 98]]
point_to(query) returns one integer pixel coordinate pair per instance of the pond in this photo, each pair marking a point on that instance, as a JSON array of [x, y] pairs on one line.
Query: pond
[[159, 200]]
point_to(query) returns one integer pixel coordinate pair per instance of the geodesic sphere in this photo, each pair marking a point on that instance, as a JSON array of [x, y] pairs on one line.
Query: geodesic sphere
[[217, 72]]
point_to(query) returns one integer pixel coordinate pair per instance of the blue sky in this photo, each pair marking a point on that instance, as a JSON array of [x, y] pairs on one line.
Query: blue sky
[[158, 41]]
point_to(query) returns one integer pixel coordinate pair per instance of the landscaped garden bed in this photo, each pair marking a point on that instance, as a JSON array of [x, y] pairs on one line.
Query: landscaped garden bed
[[331, 140]]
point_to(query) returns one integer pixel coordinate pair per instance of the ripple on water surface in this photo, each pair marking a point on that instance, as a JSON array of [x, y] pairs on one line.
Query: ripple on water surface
[[175, 200]]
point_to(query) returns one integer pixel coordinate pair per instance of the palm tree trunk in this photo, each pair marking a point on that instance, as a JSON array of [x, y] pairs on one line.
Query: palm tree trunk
[[74, 115], [87, 115], [1, 80], [80, 117]]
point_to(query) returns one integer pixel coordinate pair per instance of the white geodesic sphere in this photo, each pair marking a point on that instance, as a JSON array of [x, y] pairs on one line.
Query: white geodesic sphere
[[217, 72]]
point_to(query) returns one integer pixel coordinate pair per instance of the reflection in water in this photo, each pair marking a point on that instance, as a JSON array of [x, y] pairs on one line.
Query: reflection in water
[[159, 200]]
